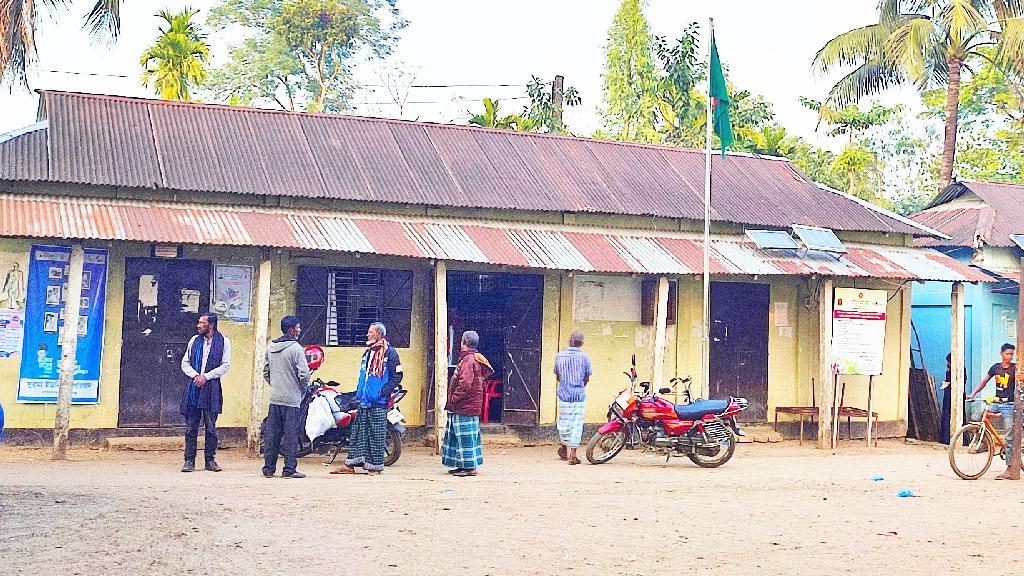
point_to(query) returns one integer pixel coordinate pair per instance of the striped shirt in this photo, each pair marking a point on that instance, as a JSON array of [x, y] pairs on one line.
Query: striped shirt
[[572, 366]]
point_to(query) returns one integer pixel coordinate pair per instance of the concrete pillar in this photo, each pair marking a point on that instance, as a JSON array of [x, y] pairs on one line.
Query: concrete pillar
[[956, 386], [660, 324], [261, 322], [826, 380], [440, 350]]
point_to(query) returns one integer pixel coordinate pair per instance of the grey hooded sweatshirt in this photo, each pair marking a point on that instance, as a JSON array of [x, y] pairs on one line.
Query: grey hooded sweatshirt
[[286, 369]]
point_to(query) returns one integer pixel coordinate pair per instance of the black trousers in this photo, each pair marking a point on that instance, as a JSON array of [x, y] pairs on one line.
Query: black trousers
[[282, 436], [209, 421]]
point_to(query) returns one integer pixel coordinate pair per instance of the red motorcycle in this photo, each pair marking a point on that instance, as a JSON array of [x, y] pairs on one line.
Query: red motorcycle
[[705, 431]]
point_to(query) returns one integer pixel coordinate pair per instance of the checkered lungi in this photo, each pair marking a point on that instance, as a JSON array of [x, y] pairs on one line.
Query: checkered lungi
[[570, 423], [369, 438], [461, 447]]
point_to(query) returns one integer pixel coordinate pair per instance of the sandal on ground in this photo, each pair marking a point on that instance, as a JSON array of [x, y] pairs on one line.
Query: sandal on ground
[[464, 473], [563, 454], [455, 470], [344, 470], [575, 461]]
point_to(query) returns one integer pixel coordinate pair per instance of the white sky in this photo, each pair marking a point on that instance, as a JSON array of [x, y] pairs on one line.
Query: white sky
[[766, 46]]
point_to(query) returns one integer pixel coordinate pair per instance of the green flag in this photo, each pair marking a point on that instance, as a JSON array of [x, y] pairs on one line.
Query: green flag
[[719, 99]]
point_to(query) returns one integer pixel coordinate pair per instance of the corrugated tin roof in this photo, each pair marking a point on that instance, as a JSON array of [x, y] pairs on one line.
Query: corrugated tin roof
[[499, 243], [118, 141], [997, 213]]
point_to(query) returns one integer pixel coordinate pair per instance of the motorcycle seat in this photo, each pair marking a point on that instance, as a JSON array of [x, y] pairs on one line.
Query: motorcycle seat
[[700, 408]]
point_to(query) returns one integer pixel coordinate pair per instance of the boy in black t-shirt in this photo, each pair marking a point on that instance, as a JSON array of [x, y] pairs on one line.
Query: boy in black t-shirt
[[1005, 375]]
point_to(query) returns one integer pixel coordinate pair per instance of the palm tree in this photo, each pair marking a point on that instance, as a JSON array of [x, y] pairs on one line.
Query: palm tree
[[927, 43], [18, 22], [178, 58]]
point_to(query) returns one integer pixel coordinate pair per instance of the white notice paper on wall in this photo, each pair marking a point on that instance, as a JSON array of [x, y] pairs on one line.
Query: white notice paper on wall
[[781, 314]]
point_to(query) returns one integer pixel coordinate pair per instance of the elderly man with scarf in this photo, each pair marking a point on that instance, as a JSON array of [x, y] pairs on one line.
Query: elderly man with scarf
[[380, 372], [207, 359]]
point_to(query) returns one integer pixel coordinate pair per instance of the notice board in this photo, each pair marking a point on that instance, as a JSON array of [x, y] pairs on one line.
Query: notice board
[[858, 331]]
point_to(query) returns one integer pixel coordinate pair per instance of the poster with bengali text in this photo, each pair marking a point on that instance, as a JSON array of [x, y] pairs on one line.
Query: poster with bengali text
[[45, 325], [858, 331]]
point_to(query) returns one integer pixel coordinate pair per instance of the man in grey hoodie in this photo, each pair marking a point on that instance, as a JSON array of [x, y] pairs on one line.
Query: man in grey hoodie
[[286, 369]]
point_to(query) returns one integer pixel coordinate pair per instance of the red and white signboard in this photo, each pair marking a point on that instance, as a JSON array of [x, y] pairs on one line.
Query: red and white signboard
[[858, 331]]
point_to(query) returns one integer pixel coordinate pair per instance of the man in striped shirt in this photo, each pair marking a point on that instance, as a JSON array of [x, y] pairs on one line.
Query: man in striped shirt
[[572, 370]]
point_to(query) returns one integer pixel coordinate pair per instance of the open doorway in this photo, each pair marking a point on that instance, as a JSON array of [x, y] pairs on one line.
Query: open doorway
[[739, 345], [507, 310]]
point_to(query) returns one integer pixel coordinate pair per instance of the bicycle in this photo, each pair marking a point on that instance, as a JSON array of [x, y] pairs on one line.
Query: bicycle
[[973, 447]]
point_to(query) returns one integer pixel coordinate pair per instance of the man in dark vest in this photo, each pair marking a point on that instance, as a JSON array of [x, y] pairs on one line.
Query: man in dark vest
[[207, 359]]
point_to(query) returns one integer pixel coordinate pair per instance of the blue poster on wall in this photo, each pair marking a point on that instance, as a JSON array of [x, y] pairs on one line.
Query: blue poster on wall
[[45, 324]]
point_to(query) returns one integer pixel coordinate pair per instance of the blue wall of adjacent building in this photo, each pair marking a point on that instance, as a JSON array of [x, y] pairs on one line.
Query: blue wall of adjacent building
[[990, 321]]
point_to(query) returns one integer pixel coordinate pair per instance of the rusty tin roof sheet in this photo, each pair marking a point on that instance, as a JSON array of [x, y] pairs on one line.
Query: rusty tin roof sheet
[[499, 243]]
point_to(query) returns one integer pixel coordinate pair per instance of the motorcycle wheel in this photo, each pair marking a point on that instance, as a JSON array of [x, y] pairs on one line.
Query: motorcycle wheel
[[393, 447], [724, 454], [604, 447]]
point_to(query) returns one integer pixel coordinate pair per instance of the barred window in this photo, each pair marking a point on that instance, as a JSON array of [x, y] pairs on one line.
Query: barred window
[[336, 305]]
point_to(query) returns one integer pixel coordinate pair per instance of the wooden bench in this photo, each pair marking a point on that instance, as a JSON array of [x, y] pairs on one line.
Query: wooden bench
[[850, 412], [801, 411], [847, 412]]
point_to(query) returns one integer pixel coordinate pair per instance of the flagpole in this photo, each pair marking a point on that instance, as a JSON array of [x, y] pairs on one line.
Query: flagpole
[[705, 356]]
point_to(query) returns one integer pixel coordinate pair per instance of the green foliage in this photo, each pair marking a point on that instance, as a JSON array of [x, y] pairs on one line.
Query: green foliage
[[990, 145], [630, 79], [18, 23], [298, 54], [539, 116], [929, 44], [178, 58]]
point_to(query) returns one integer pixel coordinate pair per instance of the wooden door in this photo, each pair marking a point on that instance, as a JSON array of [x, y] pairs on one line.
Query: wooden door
[[524, 311], [162, 302], [739, 345]]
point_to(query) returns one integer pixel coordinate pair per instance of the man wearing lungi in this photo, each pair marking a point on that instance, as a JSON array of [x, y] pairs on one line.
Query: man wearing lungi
[[460, 450], [380, 372], [572, 370]]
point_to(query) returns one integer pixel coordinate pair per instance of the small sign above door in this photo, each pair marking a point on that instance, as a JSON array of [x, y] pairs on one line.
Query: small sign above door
[[166, 251]]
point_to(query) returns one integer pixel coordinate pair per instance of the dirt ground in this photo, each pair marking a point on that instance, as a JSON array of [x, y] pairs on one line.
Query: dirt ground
[[775, 509]]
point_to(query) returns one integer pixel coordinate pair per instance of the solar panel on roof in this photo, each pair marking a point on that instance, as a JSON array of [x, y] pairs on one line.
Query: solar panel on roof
[[1018, 239], [772, 239], [820, 239]]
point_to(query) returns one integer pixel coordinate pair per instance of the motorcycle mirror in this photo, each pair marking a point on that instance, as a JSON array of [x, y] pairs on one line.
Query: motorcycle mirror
[[665, 391], [633, 360]]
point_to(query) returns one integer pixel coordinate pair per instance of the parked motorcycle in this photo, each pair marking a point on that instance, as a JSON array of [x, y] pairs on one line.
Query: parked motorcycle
[[705, 431], [342, 407]]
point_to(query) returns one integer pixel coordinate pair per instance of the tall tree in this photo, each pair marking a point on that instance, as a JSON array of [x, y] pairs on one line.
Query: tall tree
[[298, 54], [926, 43], [630, 78], [177, 60], [19, 21]]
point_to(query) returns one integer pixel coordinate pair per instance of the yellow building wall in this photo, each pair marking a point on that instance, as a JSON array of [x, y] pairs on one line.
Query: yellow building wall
[[341, 363], [236, 384]]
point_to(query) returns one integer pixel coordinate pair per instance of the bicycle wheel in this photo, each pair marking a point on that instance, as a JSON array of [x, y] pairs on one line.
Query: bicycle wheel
[[971, 451]]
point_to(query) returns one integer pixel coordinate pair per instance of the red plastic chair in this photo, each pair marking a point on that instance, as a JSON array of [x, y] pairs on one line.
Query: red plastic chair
[[490, 391]]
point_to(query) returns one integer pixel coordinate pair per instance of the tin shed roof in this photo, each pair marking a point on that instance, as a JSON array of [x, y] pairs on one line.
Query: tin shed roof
[[974, 212], [489, 242], [130, 142]]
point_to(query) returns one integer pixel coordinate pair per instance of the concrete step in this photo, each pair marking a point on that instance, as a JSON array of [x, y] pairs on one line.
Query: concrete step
[[148, 443], [760, 435]]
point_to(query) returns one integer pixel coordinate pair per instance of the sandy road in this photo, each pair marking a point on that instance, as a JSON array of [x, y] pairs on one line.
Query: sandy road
[[775, 509]]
